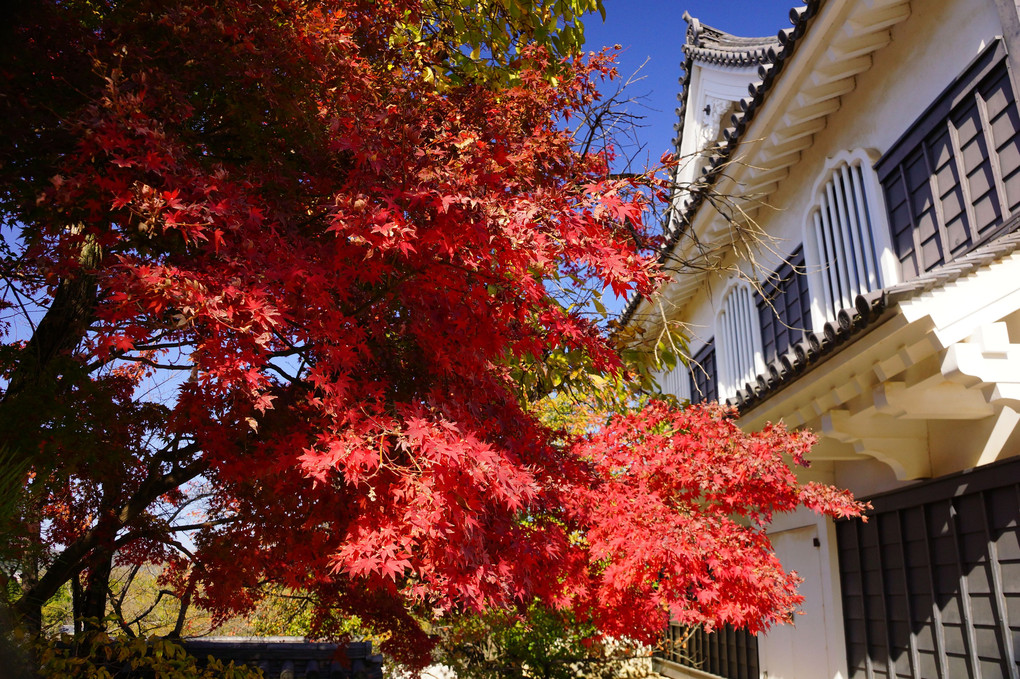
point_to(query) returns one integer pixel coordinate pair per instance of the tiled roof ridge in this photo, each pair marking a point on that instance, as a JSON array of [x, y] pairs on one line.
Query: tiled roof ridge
[[983, 255], [787, 41], [810, 351], [710, 45], [864, 315]]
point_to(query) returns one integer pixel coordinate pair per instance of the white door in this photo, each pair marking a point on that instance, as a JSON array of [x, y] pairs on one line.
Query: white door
[[798, 651]]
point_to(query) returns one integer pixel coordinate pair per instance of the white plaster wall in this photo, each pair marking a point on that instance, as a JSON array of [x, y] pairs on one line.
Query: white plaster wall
[[866, 477], [708, 83], [928, 51]]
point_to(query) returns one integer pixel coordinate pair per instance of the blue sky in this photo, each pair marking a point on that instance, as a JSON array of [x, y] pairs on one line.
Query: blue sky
[[654, 30]]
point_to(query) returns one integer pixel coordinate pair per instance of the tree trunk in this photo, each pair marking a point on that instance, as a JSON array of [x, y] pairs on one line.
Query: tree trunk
[[16, 663], [77, 555], [97, 584], [182, 613], [26, 404], [31, 618], [77, 604], [48, 353]]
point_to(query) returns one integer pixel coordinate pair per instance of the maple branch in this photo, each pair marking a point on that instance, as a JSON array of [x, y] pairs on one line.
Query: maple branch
[[176, 544], [154, 531], [380, 294], [184, 505], [293, 351], [165, 345], [121, 353], [21, 303], [138, 618], [204, 524], [280, 371], [611, 122], [74, 556], [152, 364], [182, 612], [117, 601]]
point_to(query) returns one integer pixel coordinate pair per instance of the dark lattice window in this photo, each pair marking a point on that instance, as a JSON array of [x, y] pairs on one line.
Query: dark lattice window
[[784, 310], [704, 385], [954, 177]]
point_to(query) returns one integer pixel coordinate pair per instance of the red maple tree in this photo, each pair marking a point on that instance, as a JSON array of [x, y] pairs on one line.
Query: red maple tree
[[299, 257]]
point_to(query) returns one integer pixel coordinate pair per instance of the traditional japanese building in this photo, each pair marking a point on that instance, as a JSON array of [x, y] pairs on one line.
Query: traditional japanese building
[[875, 146]]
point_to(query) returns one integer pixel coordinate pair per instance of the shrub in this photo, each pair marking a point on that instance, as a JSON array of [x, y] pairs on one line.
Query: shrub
[[97, 655]]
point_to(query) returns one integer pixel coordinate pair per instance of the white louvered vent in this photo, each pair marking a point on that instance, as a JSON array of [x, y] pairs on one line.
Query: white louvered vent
[[677, 382], [842, 230], [739, 341]]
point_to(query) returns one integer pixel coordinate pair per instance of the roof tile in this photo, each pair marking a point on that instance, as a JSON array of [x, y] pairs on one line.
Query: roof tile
[[865, 314]]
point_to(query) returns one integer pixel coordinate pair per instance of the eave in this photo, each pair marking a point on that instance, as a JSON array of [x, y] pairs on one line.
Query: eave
[[934, 348], [830, 43]]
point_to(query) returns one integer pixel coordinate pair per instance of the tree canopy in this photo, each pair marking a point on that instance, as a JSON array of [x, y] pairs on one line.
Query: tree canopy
[[293, 265]]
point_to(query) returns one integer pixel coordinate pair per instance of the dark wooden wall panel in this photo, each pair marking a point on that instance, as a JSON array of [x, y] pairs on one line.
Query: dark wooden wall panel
[[727, 652], [931, 584]]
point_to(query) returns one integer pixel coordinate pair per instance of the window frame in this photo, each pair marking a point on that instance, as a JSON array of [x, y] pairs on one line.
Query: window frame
[[677, 381], [726, 652], [938, 111]]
